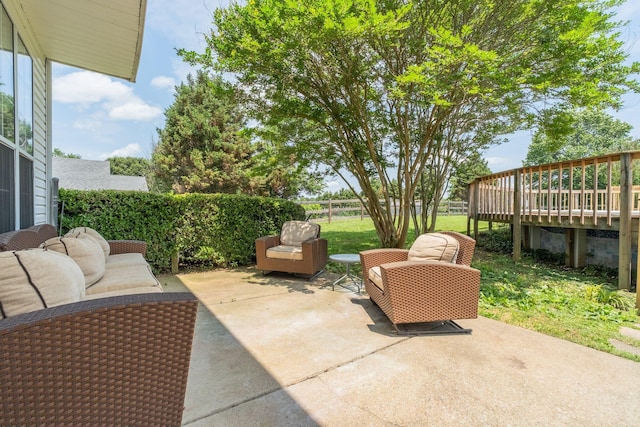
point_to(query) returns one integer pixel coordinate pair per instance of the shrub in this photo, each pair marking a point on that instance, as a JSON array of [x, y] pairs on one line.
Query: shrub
[[497, 240], [125, 215], [601, 295], [216, 229], [221, 229]]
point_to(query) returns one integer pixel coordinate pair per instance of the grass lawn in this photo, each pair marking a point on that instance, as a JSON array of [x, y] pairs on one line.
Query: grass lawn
[[565, 303]]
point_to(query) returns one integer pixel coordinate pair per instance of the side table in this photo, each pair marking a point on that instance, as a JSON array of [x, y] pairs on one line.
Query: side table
[[346, 259]]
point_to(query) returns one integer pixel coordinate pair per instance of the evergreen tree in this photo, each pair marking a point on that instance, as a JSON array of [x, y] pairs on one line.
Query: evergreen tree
[[204, 146], [129, 166], [471, 168]]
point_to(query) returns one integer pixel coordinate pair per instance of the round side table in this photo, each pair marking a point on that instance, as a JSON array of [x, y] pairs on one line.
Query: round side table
[[346, 259]]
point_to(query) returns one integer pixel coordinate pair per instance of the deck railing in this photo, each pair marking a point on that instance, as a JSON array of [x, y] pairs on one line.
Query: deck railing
[[578, 190], [592, 192]]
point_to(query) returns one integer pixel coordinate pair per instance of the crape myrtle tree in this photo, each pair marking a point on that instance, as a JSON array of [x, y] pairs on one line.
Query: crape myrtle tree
[[449, 150], [378, 82]]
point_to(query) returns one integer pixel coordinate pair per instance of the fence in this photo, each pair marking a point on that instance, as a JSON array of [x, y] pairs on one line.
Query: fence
[[349, 208]]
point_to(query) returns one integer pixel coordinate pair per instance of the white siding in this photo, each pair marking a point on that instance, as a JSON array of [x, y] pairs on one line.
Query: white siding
[[41, 186]]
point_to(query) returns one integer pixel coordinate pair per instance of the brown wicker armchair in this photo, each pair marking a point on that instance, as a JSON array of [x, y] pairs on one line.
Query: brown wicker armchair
[[424, 291], [111, 361], [298, 249]]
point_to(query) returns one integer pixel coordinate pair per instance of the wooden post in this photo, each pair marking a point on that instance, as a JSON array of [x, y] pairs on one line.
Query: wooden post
[[473, 210], [569, 247], [329, 211], [517, 211], [638, 270], [626, 195], [175, 257]]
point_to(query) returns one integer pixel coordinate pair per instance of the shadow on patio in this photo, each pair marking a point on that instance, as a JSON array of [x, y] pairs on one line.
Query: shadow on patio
[[278, 350]]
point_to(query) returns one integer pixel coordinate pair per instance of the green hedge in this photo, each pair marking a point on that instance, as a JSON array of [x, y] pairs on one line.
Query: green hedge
[[222, 228], [125, 215], [217, 229]]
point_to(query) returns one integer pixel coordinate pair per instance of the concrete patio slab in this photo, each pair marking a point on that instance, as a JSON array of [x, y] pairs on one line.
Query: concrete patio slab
[[279, 351]]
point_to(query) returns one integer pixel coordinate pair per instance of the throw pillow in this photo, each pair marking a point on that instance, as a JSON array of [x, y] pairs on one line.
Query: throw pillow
[[34, 279], [93, 233], [84, 250], [434, 246], [296, 232]]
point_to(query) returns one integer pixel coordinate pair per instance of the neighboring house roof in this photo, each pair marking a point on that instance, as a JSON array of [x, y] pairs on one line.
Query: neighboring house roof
[[80, 174], [103, 36]]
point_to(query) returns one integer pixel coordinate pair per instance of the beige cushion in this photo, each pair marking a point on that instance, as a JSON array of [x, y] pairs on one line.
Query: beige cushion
[[93, 233], [124, 277], [376, 277], [434, 246], [296, 232], [125, 260], [132, 291], [84, 250], [36, 278], [285, 252]]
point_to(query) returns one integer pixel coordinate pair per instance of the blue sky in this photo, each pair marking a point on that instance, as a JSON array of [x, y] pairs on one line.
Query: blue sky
[[97, 116]]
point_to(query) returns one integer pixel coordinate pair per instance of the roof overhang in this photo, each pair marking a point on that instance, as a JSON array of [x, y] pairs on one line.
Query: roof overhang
[[98, 35]]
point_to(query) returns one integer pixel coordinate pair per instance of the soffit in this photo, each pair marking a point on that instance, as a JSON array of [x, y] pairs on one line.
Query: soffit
[[98, 35]]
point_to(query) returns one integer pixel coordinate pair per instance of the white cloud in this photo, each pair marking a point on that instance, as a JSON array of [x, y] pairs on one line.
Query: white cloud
[[91, 125], [86, 88], [163, 82], [497, 164], [131, 150], [134, 111]]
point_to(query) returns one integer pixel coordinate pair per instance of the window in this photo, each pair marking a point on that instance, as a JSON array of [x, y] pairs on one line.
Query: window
[[25, 99], [16, 129], [7, 189], [7, 112], [26, 192]]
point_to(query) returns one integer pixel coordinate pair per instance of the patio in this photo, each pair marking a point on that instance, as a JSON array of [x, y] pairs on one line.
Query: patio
[[277, 350]]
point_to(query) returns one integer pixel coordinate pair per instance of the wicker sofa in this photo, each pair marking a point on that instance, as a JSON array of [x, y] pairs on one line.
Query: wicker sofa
[[125, 269], [103, 360], [410, 291]]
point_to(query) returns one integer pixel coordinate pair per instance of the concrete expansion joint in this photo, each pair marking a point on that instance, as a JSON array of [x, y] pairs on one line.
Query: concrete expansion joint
[[339, 365], [232, 300], [233, 405]]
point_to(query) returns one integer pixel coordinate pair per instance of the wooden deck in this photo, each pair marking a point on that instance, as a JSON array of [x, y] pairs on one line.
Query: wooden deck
[[591, 193]]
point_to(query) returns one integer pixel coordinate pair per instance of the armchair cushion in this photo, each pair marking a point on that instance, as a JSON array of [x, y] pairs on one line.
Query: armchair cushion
[[295, 232], [434, 247], [376, 277], [285, 252]]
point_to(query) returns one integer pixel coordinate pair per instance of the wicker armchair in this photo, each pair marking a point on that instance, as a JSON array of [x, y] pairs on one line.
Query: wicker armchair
[[111, 361], [425, 291], [297, 249]]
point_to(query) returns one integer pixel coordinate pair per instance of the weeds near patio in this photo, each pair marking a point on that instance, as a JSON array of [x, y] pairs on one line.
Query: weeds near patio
[[548, 299], [537, 293]]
